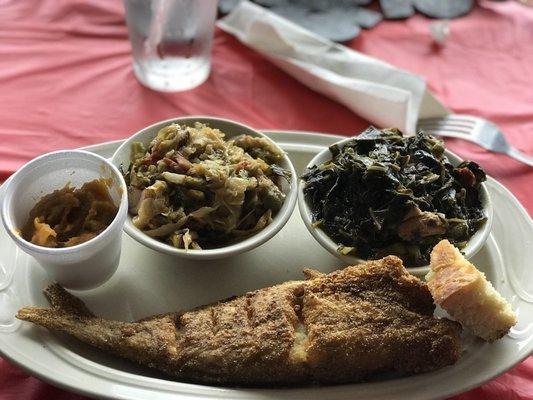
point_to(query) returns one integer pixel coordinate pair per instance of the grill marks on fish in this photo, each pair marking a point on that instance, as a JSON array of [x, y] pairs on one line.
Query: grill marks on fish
[[346, 326], [249, 311], [300, 343]]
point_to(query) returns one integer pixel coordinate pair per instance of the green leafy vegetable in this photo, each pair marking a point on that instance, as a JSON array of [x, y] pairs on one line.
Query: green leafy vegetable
[[383, 193]]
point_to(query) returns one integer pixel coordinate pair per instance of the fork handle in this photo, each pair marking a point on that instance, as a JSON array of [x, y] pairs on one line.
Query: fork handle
[[456, 135], [511, 151], [517, 155]]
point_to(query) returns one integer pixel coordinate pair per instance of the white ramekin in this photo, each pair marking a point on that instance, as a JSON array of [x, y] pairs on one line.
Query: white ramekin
[[122, 159], [475, 243]]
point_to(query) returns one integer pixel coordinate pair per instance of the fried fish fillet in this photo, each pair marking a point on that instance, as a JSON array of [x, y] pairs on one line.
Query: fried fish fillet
[[346, 326]]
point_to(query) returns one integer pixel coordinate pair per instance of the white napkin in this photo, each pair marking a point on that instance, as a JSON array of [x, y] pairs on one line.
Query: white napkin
[[379, 92]]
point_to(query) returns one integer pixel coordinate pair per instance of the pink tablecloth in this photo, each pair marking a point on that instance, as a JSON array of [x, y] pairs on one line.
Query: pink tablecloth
[[66, 81]]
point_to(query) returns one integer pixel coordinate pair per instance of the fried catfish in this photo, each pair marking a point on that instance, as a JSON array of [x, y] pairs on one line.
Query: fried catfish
[[347, 326]]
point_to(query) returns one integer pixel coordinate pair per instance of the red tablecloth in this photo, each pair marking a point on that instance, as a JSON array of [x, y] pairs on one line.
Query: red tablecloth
[[66, 81]]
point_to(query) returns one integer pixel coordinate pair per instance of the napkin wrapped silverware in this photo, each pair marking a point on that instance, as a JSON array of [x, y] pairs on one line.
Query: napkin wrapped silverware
[[379, 92]]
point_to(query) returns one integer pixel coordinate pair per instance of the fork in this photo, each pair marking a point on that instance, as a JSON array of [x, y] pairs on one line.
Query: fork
[[473, 129]]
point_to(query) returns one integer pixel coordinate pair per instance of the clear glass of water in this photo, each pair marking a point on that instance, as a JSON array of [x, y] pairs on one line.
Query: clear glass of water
[[171, 41]]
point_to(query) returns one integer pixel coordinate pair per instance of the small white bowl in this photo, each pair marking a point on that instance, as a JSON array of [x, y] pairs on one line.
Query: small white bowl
[[86, 265], [122, 159], [475, 243]]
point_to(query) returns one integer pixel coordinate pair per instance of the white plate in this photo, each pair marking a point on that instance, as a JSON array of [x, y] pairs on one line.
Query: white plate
[[149, 283]]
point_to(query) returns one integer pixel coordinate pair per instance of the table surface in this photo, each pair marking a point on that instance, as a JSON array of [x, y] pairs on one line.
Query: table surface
[[66, 81]]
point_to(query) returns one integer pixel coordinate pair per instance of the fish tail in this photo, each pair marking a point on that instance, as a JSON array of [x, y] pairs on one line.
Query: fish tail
[[146, 342]]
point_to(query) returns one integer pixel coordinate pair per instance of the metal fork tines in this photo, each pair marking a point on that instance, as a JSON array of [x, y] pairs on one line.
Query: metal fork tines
[[473, 129]]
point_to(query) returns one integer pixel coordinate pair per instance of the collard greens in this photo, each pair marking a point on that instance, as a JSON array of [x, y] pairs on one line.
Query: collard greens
[[383, 193]]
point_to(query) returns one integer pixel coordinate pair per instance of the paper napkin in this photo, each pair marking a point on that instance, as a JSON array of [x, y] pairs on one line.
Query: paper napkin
[[379, 92]]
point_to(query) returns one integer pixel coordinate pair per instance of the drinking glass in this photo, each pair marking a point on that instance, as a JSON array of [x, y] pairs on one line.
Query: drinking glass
[[171, 41]]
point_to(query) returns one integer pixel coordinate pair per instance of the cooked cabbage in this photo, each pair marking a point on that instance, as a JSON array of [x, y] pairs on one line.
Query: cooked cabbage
[[193, 189]]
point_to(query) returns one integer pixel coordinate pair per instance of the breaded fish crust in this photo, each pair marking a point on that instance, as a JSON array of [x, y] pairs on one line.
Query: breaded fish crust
[[346, 326]]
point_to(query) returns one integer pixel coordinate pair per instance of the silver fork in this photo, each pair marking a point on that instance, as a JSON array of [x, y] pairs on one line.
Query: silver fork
[[473, 129]]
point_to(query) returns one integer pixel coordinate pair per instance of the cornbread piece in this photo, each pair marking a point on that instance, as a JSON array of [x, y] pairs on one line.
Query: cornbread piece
[[347, 326], [464, 292]]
